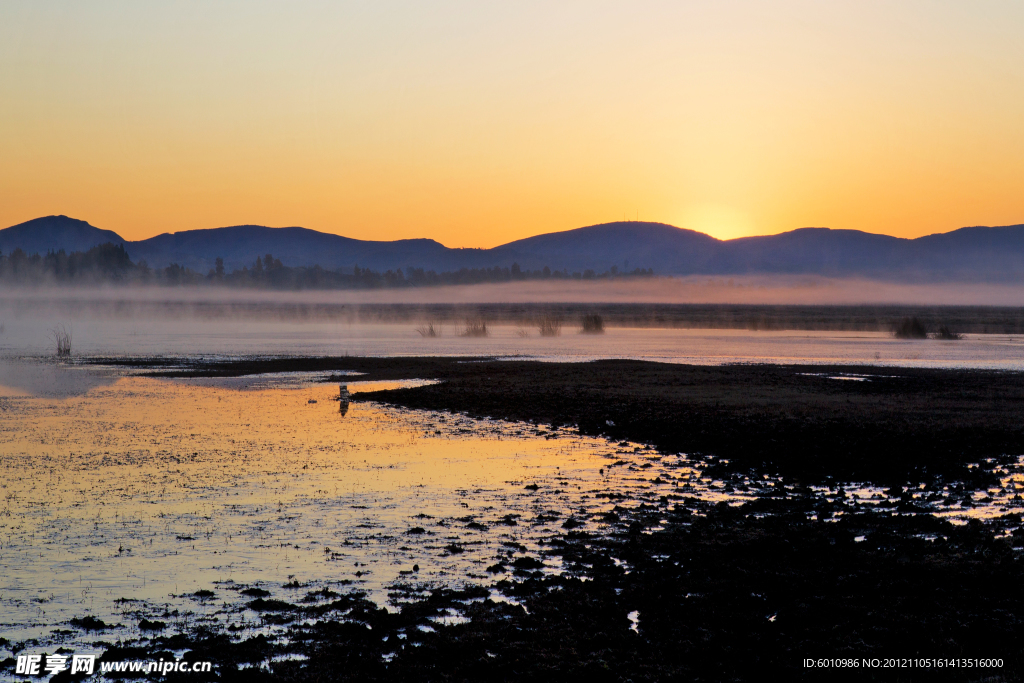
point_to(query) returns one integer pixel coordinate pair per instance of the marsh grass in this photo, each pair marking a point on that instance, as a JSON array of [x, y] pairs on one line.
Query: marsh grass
[[549, 326], [61, 338], [946, 334], [592, 324], [475, 328], [910, 328], [429, 330]]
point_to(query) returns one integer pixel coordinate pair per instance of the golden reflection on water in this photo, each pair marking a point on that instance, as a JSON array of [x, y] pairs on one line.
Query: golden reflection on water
[[148, 490]]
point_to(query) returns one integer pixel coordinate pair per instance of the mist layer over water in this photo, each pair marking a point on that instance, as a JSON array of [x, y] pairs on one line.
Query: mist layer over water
[[207, 322], [694, 289]]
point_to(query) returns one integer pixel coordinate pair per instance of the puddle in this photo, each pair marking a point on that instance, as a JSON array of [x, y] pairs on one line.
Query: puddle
[[301, 380], [634, 621], [845, 376], [265, 380]]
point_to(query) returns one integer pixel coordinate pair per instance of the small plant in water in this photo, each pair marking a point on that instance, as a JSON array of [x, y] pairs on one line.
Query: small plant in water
[[549, 326], [61, 338], [429, 330], [945, 333], [475, 328], [592, 324]]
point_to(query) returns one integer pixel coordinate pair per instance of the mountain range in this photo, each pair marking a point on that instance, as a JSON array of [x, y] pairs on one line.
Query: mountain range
[[976, 254]]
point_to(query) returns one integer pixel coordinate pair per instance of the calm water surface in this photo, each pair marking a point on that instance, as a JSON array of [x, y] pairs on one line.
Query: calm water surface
[[29, 337]]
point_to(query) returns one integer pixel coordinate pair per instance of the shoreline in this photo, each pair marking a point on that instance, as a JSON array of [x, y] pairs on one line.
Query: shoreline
[[816, 423], [679, 587]]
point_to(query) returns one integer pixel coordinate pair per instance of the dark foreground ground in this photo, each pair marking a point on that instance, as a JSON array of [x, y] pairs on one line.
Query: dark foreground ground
[[717, 593]]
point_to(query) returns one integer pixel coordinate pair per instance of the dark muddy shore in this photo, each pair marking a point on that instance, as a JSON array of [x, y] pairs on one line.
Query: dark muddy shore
[[681, 589], [719, 594]]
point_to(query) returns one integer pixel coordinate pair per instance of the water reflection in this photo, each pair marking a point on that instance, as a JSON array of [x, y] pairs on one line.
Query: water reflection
[[50, 378], [343, 399], [142, 495], [180, 501]]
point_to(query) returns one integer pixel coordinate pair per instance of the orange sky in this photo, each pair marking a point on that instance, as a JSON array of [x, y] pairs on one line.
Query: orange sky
[[480, 123]]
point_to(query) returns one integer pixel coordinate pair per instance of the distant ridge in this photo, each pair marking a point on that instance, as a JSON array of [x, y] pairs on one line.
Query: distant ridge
[[40, 235], [240, 245], [975, 254], [666, 248]]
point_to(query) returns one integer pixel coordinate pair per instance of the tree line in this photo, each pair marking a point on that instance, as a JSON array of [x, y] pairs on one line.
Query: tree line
[[110, 264]]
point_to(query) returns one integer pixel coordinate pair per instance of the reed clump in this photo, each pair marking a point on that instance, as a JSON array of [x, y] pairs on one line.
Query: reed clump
[[475, 328], [549, 326], [910, 328], [592, 324], [429, 330], [61, 338], [947, 334]]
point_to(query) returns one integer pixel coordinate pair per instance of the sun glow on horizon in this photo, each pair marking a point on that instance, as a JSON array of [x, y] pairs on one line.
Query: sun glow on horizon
[[476, 125], [720, 221]]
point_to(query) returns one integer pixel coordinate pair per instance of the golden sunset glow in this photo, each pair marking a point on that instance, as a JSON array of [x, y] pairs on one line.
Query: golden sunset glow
[[480, 123]]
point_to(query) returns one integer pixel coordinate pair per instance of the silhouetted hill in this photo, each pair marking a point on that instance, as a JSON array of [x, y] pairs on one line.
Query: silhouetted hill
[[41, 235], [626, 245], [240, 245], [979, 254], [997, 253], [968, 254], [809, 250]]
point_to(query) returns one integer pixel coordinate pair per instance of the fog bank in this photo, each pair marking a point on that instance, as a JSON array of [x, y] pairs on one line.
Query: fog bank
[[768, 290]]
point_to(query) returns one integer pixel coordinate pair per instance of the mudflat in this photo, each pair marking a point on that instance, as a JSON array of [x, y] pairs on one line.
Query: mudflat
[[807, 575]]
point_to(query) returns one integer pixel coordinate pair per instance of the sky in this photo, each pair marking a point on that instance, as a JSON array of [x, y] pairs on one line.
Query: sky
[[478, 123]]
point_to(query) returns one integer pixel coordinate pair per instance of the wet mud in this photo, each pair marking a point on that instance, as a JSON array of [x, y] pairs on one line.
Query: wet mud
[[719, 593], [715, 593]]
